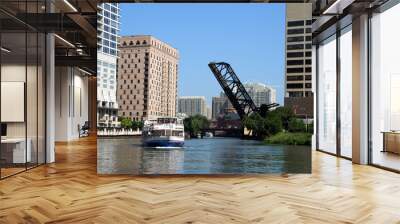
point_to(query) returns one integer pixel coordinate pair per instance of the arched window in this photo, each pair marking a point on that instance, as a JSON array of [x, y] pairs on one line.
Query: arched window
[[131, 43], [124, 44], [137, 42], [144, 42]]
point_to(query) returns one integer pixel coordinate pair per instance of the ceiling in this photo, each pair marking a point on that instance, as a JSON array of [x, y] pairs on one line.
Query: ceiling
[[73, 21]]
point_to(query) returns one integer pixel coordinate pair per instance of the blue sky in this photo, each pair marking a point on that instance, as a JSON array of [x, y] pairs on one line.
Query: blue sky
[[248, 36]]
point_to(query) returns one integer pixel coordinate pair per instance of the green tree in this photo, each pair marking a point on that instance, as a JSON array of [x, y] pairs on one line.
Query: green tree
[[273, 124], [135, 125], [285, 114], [195, 125], [256, 124], [140, 124], [296, 125], [126, 122]]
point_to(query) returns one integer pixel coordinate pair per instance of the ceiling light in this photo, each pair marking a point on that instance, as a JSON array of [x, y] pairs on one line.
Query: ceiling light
[[64, 40], [5, 50], [337, 7], [70, 5], [331, 7], [86, 72]]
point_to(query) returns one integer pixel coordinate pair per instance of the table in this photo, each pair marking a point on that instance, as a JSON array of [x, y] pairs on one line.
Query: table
[[391, 141], [15, 148]]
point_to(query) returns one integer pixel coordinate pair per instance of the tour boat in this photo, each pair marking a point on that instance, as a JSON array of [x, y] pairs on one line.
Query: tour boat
[[163, 132]]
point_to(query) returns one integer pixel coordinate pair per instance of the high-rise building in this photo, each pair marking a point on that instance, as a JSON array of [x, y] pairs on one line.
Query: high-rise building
[[220, 106], [209, 113], [147, 78], [216, 106], [298, 82], [192, 105], [108, 22], [260, 93]]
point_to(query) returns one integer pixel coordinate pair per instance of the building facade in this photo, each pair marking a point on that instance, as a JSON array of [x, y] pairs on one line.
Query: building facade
[[209, 113], [192, 105], [216, 106], [260, 93], [221, 105], [108, 22], [298, 54], [147, 78]]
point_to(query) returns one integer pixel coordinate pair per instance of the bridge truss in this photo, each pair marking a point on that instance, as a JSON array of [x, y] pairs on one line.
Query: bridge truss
[[233, 88]]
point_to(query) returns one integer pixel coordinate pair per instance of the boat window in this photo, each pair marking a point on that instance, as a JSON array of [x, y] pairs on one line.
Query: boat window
[[177, 133], [166, 120]]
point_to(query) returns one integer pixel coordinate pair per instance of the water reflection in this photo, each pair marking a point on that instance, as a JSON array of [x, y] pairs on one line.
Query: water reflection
[[200, 156]]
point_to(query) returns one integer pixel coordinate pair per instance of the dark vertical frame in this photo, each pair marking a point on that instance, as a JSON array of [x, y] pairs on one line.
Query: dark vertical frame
[[37, 91], [1, 53], [316, 97], [369, 100], [44, 79], [338, 94], [26, 86]]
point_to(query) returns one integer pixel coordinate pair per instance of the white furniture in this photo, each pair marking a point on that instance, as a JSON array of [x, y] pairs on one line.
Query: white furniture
[[17, 145], [12, 101]]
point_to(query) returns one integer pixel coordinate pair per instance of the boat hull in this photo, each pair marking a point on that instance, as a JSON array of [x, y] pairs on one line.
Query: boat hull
[[163, 142]]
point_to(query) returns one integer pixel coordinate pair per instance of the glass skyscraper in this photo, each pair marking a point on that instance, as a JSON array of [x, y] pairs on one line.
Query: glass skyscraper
[[108, 26]]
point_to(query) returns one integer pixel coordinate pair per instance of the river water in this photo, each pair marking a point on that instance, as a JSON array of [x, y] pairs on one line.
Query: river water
[[126, 155]]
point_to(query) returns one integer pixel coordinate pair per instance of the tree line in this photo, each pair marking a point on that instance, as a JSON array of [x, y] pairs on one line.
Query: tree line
[[128, 123], [282, 119]]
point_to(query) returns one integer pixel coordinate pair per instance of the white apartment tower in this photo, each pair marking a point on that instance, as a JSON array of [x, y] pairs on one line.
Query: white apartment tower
[[260, 93], [108, 26], [192, 105]]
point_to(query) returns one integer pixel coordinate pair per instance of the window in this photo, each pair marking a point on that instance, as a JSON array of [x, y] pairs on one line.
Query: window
[[294, 54], [295, 46], [346, 93], [294, 70], [294, 78], [327, 99], [296, 23], [295, 39], [296, 94], [295, 31], [295, 62], [385, 87], [294, 85]]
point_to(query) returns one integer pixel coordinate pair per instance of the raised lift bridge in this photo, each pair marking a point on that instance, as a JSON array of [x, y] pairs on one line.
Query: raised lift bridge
[[236, 92]]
